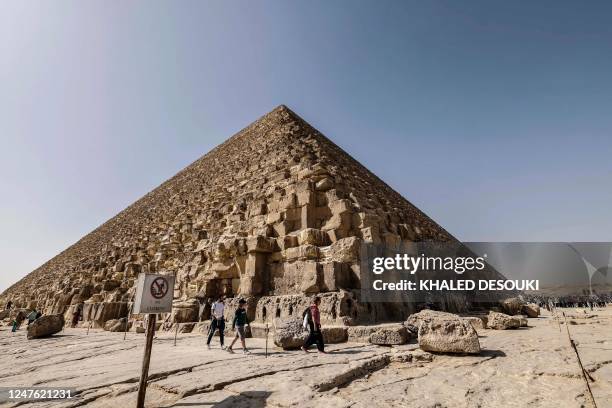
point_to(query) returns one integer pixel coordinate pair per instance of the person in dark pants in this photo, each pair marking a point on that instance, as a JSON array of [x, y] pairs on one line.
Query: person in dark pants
[[217, 321], [312, 318], [240, 320], [76, 315], [9, 305]]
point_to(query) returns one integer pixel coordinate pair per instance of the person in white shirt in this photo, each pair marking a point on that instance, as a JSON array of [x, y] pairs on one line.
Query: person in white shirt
[[217, 321]]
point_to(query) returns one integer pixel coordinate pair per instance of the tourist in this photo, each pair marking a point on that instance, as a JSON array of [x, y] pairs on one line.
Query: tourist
[[217, 321], [312, 319], [76, 315], [240, 320], [9, 305], [32, 316]]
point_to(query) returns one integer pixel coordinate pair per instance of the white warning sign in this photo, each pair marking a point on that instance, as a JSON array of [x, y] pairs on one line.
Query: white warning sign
[[154, 293]]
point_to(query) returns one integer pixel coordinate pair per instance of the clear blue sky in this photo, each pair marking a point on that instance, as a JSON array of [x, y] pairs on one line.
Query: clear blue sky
[[493, 117]]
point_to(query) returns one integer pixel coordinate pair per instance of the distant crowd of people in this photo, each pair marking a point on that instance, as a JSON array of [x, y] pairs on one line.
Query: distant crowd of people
[[573, 301]]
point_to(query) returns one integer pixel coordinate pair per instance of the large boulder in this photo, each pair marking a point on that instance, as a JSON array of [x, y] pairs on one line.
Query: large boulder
[[389, 336], [46, 326], [512, 306], [427, 315], [501, 321], [290, 334], [531, 310], [334, 334], [448, 336], [4, 314]]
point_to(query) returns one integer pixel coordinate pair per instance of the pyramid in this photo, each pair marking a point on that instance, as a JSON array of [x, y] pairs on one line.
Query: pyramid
[[275, 214]]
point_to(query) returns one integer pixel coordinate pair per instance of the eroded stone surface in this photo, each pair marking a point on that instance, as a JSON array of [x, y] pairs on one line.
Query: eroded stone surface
[[529, 367]]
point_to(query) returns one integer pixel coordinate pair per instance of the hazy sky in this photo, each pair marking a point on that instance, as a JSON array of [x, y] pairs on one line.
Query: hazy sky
[[495, 118]]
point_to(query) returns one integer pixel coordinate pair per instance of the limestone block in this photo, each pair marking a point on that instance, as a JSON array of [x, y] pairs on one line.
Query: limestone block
[[512, 306], [260, 244], [531, 310], [325, 184], [312, 236], [335, 276], [46, 326], [501, 321], [346, 250], [311, 278], [448, 336], [290, 334], [301, 252], [388, 336]]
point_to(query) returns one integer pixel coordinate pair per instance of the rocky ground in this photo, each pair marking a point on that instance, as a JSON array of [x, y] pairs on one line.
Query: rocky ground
[[528, 367]]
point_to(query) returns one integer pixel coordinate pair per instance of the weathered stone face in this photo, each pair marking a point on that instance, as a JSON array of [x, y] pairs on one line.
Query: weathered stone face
[[277, 210], [448, 336], [45, 326], [501, 321]]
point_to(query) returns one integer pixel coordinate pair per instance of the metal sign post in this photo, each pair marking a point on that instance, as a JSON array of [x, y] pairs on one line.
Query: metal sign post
[[154, 294]]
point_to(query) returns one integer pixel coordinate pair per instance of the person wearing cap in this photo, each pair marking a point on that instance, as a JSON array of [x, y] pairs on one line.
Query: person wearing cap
[[217, 321], [240, 320]]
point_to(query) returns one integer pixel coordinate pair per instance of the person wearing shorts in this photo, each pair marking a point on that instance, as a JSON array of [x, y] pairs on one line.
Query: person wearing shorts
[[239, 323]]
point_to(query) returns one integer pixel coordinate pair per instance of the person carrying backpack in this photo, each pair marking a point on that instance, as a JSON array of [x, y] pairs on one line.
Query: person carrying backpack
[[240, 320], [312, 319]]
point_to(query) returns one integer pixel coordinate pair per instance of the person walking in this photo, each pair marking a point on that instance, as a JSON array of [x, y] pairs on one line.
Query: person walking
[[240, 321], [76, 315], [217, 321], [312, 319]]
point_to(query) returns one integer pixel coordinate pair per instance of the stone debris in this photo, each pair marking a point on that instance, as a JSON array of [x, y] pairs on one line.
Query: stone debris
[[290, 334], [512, 306], [389, 336], [531, 310], [448, 336], [427, 315], [501, 321], [46, 326]]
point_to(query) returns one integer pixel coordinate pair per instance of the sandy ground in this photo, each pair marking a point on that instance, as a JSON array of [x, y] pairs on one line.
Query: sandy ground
[[530, 367]]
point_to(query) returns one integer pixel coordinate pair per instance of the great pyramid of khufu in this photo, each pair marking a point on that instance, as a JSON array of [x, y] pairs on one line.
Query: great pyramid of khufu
[[274, 214]]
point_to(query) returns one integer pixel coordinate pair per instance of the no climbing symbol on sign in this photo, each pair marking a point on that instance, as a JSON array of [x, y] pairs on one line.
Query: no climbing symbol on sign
[[159, 288]]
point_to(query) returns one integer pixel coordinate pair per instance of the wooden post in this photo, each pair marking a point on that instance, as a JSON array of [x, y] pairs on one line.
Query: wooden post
[[127, 320], [267, 331], [144, 376], [176, 333]]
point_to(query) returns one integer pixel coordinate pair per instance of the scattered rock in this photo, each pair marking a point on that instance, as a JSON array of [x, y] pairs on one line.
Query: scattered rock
[[46, 326], [290, 334], [501, 321], [428, 315], [512, 306], [116, 325], [390, 336], [531, 310], [448, 336], [477, 323]]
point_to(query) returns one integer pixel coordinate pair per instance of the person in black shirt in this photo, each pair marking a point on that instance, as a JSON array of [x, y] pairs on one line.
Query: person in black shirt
[[240, 321]]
